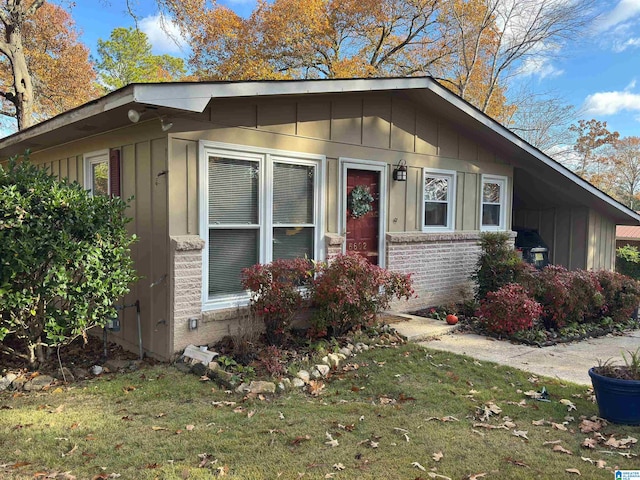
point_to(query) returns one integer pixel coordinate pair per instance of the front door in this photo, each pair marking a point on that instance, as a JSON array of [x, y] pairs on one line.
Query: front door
[[363, 229]]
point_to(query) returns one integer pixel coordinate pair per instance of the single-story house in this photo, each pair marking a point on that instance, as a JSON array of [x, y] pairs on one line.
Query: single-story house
[[227, 174], [627, 235]]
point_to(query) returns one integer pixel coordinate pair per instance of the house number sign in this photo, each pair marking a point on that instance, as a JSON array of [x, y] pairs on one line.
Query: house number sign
[[356, 246]]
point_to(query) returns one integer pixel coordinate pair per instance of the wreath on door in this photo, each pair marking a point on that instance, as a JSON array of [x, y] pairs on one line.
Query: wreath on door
[[360, 200]]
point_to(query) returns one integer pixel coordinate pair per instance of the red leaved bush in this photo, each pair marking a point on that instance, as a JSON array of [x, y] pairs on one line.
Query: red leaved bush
[[276, 293], [349, 291], [509, 310]]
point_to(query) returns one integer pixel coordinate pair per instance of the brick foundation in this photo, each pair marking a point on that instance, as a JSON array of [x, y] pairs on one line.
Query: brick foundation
[[440, 264]]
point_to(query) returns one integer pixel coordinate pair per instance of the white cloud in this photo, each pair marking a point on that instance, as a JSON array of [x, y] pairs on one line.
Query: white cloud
[[539, 66], [610, 103], [623, 12], [621, 47], [163, 34], [630, 86]]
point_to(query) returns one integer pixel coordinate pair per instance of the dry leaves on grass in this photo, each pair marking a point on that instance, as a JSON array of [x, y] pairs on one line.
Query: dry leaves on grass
[[521, 433], [475, 476], [315, 387], [330, 440], [485, 411], [561, 449], [437, 456], [448, 418], [573, 470], [588, 426], [623, 443], [569, 404]]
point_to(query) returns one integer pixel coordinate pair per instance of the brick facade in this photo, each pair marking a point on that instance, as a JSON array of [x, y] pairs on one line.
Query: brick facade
[[440, 264]]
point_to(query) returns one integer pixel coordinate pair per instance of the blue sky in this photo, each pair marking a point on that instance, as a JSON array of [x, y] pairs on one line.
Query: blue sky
[[598, 73]]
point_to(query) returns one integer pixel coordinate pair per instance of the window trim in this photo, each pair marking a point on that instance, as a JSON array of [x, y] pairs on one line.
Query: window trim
[[504, 182], [451, 202], [266, 157], [93, 158]]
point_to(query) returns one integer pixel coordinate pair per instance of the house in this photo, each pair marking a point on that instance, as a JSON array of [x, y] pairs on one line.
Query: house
[[627, 235], [227, 174]]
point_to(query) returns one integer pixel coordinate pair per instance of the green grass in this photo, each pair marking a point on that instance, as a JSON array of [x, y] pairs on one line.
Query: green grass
[[106, 425]]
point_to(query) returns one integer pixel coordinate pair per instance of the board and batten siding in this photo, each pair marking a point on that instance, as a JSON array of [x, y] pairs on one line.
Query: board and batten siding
[[143, 161], [577, 237], [379, 127]]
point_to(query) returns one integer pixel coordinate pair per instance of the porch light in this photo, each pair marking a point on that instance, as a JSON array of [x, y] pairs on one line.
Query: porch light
[[400, 172], [134, 115]]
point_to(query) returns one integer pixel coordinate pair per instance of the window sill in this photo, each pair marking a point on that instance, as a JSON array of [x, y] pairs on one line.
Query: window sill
[[223, 303]]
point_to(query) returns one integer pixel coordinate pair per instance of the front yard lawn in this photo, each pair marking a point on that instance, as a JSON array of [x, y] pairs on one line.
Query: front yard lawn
[[402, 412]]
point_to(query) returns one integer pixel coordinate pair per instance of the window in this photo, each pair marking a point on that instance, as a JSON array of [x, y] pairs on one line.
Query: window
[[259, 207], [493, 204], [439, 192], [97, 172], [102, 172]]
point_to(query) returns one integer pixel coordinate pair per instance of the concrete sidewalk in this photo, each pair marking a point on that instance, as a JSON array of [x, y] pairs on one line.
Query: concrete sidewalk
[[567, 361]]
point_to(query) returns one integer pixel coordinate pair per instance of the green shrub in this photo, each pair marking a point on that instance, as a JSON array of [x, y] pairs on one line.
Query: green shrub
[[64, 258], [498, 264], [628, 261], [509, 310], [349, 292]]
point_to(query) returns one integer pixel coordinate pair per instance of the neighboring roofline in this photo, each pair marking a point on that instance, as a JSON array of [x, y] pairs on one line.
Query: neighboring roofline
[[195, 96]]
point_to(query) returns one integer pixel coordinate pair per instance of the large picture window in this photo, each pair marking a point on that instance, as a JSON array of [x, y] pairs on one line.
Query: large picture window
[[259, 207], [439, 191], [493, 202]]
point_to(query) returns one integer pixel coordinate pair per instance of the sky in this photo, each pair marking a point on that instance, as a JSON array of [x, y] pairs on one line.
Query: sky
[[598, 72]]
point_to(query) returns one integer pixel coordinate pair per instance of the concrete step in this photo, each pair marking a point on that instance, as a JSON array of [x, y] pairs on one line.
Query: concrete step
[[417, 329]]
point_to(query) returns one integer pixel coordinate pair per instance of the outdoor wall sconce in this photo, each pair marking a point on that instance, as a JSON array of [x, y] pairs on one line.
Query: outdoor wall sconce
[[400, 172]]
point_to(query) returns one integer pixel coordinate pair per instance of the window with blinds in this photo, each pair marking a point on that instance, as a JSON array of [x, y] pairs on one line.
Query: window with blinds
[[253, 220]]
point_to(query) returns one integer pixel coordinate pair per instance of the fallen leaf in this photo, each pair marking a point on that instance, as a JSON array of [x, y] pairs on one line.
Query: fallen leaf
[[573, 470], [251, 413], [476, 476], [561, 449], [517, 463], [601, 464], [521, 433], [538, 423], [190, 427], [559, 426], [70, 452], [418, 466], [589, 443], [316, 387], [552, 442], [338, 466], [156, 428], [437, 456], [569, 404], [299, 440], [330, 440], [587, 426]]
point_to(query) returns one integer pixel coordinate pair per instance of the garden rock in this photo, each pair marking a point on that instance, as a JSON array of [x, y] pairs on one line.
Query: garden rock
[[304, 376], [6, 381], [242, 388], [18, 383], [97, 370], [297, 382], [323, 370], [38, 383], [262, 387], [334, 360], [345, 351], [199, 369]]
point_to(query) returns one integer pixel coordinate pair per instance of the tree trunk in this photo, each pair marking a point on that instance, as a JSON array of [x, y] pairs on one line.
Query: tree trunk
[[22, 83]]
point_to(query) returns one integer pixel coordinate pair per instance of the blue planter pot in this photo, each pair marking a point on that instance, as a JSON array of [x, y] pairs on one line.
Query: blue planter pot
[[618, 400]]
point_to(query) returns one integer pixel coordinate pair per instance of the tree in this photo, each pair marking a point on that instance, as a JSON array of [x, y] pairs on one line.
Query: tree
[[591, 163], [127, 58], [472, 46], [45, 69], [626, 171], [64, 259]]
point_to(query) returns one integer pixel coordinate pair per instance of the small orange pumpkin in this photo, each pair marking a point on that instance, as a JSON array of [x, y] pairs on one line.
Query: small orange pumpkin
[[452, 319]]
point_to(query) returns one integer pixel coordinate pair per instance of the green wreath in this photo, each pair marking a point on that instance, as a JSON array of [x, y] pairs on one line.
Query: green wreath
[[360, 201]]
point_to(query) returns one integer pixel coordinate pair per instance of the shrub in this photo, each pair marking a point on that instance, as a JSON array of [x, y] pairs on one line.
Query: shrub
[[498, 264], [64, 258], [621, 295], [568, 296], [349, 292], [628, 261], [508, 310], [277, 293]]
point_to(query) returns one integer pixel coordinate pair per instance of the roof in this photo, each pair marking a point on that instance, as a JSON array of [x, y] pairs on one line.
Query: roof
[[627, 232], [109, 112]]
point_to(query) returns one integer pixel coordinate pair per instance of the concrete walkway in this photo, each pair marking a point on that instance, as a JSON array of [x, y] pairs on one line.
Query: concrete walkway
[[567, 362]]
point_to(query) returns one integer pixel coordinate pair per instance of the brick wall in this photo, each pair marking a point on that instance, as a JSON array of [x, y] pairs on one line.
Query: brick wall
[[440, 264], [334, 243]]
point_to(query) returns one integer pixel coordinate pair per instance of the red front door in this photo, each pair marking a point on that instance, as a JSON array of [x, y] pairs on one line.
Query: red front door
[[363, 232]]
